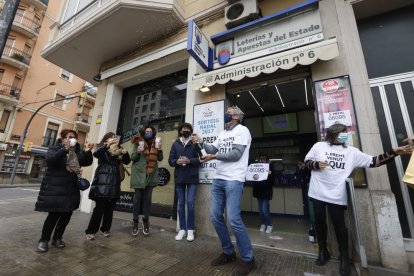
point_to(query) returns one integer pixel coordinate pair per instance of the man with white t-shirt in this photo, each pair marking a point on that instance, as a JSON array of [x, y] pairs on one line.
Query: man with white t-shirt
[[331, 162], [231, 150]]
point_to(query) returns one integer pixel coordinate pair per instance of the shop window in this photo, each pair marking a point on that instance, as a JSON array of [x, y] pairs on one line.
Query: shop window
[[4, 120], [144, 108], [39, 167], [66, 75], [59, 104], [8, 163], [51, 134], [152, 107]]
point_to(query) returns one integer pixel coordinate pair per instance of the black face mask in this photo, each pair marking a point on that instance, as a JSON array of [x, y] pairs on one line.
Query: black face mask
[[186, 133]]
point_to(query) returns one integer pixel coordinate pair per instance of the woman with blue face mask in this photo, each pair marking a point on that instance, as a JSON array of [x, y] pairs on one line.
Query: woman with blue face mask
[[145, 154], [331, 162]]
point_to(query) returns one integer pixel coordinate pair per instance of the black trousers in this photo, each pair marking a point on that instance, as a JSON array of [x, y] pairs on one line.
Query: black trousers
[[103, 212], [142, 197], [338, 221], [56, 221]]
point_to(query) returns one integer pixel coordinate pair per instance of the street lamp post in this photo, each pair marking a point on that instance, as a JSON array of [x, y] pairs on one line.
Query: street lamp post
[[37, 94], [23, 137]]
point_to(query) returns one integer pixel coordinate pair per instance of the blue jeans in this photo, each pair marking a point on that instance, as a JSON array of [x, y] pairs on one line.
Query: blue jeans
[[227, 194], [264, 212], [191, 191]]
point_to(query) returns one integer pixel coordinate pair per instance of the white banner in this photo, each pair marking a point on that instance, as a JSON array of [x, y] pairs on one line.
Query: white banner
[[257, 172], [208, 122]]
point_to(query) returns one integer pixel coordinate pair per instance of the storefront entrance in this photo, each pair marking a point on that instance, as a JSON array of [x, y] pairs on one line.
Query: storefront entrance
[[280, 114]]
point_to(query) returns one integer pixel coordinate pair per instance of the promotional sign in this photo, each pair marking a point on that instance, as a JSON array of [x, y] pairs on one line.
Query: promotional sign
[[198, 47], [278, 36], [257, 172], [335, 105], [208, 122]]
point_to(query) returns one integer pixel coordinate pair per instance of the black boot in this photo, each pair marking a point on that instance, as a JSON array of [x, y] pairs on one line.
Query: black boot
[[344, 267], [323, 256], [42, 247]]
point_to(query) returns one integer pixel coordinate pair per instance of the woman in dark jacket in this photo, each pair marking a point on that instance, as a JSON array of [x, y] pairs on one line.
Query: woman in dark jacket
[[184, 157], [106, 184], [59, 193]]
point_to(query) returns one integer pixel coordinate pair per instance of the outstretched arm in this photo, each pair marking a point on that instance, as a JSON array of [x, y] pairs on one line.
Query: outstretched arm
[[389, 156]]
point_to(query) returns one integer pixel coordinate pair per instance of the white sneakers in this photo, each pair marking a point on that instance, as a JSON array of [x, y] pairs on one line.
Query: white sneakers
[[262, 228], [181, 234], [190, 235], [90, 237], [269, 229]]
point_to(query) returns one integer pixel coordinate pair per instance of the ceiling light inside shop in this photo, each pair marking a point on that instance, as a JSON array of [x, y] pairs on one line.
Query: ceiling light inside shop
[[256, 101], [280, 97], [204, 89]]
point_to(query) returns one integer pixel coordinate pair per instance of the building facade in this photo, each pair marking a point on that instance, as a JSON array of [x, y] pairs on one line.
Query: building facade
[[29, 81], [294, 67]]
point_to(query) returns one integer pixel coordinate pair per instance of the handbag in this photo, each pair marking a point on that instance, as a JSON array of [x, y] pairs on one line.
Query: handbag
[[409, 173], [83, 183]]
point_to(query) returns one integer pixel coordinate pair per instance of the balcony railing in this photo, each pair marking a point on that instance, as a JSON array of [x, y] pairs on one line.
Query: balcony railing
[[27, 22], [84, 118], [17, 54], [8, 90]]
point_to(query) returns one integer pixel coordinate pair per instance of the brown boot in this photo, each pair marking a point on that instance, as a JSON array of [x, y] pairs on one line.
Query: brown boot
[[224, 259], [244, 268]]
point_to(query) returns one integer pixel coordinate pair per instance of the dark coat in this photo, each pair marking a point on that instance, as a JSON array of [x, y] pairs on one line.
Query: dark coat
[[59, 190], [263, 189], [185, 174], [107, 181]]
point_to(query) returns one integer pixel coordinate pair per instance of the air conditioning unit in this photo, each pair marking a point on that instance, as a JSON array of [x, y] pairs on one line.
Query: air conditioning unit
[[240, 12]]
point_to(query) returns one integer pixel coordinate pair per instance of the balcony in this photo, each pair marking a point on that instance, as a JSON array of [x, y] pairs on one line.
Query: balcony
[[39, 5], [16, 58], [26, 26], [9, 94], [106, 29], [83, 121]]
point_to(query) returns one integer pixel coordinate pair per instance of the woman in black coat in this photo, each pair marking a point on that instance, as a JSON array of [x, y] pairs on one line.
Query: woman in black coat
[[59, 193], [106, 184]]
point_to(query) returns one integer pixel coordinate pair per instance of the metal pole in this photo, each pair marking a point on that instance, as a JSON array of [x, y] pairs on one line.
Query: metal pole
[[19, 149], [6, 20]]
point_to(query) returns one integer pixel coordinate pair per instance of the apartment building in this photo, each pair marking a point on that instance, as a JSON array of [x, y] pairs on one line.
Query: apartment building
[[294, 67], [29, 81]]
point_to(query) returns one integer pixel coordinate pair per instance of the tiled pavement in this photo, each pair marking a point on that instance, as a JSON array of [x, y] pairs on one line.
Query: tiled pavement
[[123, 254]]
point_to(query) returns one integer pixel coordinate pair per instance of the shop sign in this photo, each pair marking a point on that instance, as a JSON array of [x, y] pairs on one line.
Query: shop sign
[[125, 202], [198, 46], [3, 146], [334, 101], [257, 172], [279, 36], [208, 122]]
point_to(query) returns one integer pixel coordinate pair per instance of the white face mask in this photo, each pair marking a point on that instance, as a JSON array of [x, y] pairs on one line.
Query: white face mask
[[73, 142]]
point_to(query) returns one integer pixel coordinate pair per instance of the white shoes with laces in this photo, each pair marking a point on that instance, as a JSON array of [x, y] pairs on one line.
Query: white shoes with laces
[[190, 235], [262, 228], [180, 235], [269, 229]]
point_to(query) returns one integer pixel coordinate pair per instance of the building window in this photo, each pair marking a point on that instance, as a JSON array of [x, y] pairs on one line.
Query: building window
[[136, 110], [4, 120], [135, 122], [146, 97], [27, 48], [59, 104], [143, 119], [138, 99], [66, 75], [152, 107], [153, 95], [16, 81], [50, 135], [144, 108], [1, 74]]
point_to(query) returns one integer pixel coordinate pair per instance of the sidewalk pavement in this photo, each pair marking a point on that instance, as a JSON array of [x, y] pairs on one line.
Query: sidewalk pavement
[[123, 254]]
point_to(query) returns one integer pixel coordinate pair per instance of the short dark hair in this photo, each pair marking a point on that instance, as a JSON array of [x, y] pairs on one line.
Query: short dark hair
[[184, 125], [333, 131], [65, 133]]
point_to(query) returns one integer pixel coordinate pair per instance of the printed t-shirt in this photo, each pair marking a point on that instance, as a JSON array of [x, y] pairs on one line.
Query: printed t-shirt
[[329, 184], [237, 170]]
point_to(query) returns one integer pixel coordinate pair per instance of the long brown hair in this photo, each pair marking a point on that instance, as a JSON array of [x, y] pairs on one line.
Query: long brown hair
[[106, 137], [65, 132]]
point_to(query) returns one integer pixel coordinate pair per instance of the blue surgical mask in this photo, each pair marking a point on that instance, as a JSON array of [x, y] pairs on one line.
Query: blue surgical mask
[[227, 118], [342, 137], [148, 135]]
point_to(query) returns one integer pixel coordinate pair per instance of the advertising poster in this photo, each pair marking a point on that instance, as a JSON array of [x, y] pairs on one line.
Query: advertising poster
[[334, 101], [208, 123]]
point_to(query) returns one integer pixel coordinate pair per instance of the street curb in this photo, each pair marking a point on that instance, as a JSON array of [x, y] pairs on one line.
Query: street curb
[[20, 185]]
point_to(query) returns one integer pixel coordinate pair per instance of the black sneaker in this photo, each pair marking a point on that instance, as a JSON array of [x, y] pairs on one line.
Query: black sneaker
[[145, 228], [42, 247], [244, 268], [59, 243], [224, 259], [135, 229]]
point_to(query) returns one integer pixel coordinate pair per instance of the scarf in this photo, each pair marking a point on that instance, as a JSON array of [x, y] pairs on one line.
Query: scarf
[[150, 153], [72, 163]]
